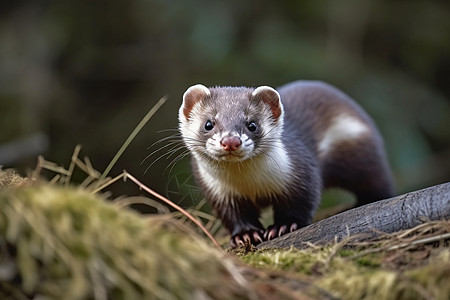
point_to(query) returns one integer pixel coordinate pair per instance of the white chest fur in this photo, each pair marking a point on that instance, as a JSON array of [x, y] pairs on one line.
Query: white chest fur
[[261, 176]]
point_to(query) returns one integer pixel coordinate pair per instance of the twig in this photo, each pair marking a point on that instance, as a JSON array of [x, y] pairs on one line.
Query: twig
[[38, 169], [109, 182], [53, 167], [150, 191], [142, 200], [72, 164], [126, 175], [425, 240], [421, 241]]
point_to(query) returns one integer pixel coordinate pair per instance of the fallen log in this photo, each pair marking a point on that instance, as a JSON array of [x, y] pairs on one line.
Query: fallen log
[[388, 216]]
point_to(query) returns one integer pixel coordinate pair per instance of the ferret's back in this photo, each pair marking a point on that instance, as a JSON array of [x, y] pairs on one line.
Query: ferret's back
[[312, 107], [344, 139]]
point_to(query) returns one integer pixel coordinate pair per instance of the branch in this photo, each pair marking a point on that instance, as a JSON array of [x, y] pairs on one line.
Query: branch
[[388, 216]]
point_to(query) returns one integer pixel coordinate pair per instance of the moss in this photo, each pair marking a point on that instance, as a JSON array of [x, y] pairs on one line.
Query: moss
[[352, 282], [433, 278], [370, 261], [303, 262], [351, 274], [65, 243], [359, 282], [347, 252]]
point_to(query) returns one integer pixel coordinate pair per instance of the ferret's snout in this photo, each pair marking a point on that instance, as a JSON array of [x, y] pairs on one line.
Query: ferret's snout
[[230, 143]]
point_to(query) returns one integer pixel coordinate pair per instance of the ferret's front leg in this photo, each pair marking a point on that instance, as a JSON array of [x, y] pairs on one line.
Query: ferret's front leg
[[289, 215], [241, 218]]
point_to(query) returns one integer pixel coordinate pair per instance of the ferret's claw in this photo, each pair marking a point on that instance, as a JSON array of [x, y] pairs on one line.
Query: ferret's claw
[[275, 231], [270, 233], [253, 237], [293, 227]]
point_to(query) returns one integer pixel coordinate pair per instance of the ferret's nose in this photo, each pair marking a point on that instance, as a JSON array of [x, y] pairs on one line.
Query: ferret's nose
[[230, 143]]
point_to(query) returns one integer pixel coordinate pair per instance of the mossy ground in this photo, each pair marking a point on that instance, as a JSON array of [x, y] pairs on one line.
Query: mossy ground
[[388, 268], [64, 242]]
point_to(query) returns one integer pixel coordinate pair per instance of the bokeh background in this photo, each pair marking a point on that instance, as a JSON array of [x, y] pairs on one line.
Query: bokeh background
[[86, 72]]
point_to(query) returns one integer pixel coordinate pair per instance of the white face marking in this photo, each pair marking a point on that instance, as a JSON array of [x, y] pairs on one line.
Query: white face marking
[[343, 128], [189, 128], [216, 151]]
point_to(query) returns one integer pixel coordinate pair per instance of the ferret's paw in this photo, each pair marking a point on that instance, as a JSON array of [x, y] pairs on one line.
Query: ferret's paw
[[275, 231], [253, 237]]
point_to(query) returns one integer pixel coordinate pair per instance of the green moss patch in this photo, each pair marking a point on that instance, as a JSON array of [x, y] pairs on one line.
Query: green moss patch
[[347, 271], [65, 243]]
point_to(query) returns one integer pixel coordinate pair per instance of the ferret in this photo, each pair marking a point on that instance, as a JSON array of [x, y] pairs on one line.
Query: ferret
[[255, 147]]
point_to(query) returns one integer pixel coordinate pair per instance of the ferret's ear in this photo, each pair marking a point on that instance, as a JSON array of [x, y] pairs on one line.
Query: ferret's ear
[[192, 96], [271, 97]]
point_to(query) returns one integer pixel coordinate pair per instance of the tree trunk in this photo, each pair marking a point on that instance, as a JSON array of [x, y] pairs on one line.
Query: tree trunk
[[390, 215]]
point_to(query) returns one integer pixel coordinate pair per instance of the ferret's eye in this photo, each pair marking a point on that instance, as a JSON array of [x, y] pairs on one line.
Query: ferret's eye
[[209, 125], [252, 126]]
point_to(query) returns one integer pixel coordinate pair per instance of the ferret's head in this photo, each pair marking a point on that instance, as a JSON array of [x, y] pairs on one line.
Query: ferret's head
[[230, 124]]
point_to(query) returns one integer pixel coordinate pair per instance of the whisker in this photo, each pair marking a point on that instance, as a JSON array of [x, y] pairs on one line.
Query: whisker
[[178, 158], [175, 137], [157, 159], [175, 150], [159, 149], [168, 130]]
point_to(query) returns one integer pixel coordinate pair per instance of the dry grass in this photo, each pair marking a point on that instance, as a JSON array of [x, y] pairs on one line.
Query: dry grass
[[61, 242]]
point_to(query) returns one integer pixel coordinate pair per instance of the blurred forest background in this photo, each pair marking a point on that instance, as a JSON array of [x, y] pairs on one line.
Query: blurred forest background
[[86, 72]]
